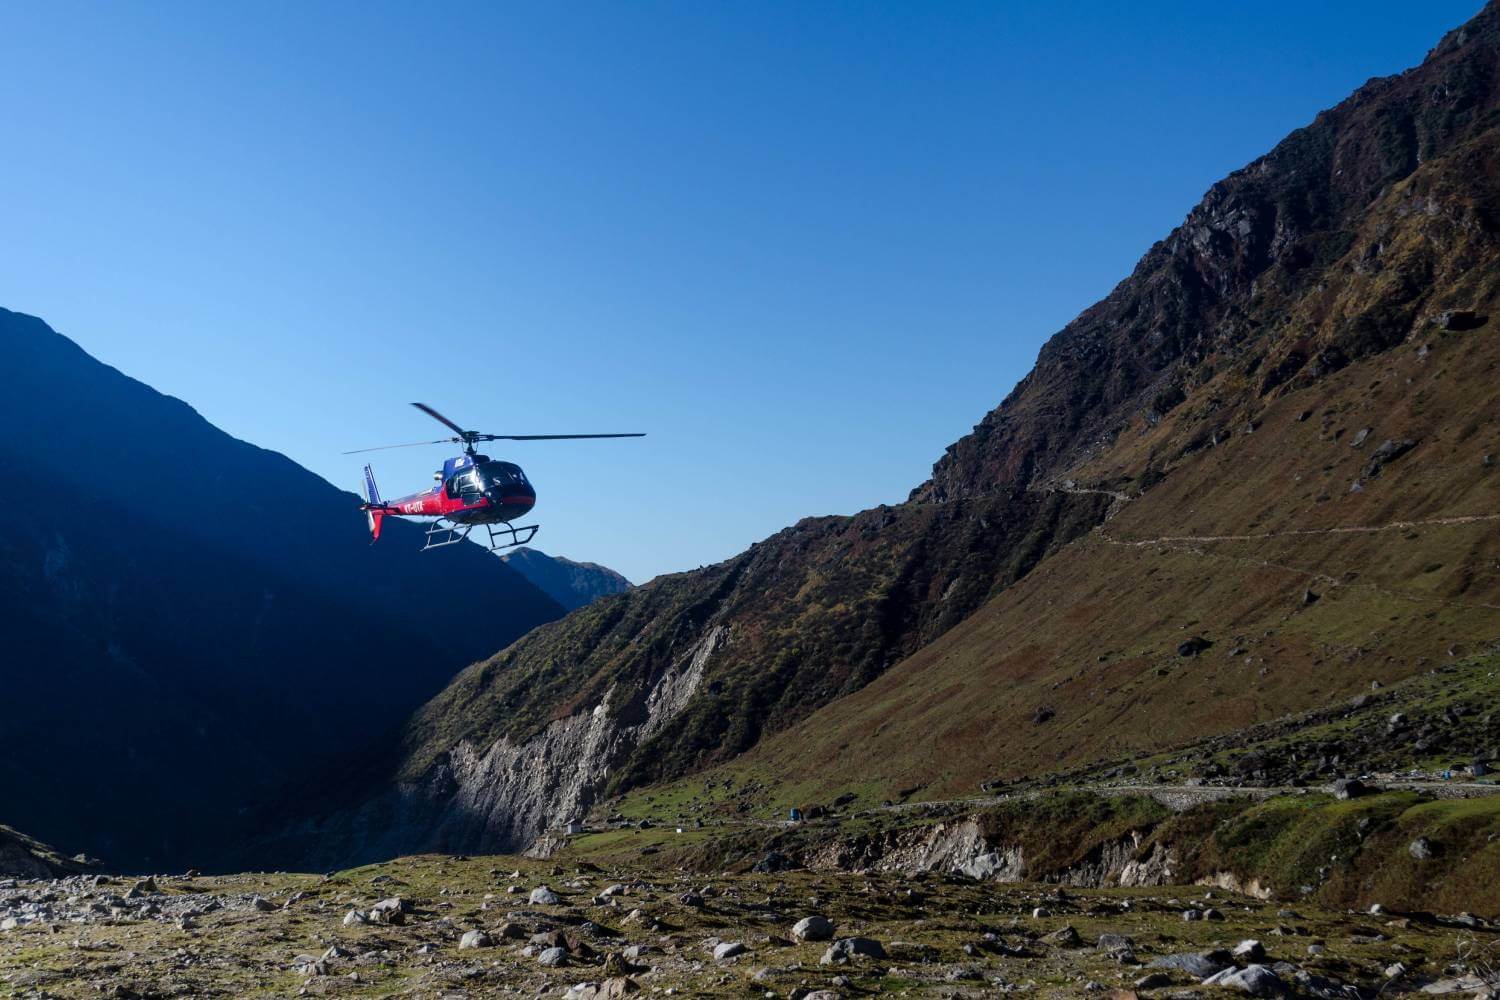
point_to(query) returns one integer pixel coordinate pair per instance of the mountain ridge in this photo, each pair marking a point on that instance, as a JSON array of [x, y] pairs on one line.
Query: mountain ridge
[[569, 583], [1373, 224], [193, 619]]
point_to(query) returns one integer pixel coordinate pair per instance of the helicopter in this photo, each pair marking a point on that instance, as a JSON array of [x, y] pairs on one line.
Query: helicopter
[[471, 491]]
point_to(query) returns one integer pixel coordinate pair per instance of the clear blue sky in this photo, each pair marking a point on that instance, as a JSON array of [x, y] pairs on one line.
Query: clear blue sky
[[805, 246]]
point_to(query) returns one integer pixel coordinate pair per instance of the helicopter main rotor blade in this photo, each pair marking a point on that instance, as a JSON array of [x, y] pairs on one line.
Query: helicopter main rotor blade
[[414, 444], [550, 437], [435, 415]]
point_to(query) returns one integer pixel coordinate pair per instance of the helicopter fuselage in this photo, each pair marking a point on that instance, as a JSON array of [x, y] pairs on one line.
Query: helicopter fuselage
[[472, 489]]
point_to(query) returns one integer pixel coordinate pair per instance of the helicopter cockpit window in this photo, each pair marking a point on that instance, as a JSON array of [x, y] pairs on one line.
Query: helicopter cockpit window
[[465, 483]]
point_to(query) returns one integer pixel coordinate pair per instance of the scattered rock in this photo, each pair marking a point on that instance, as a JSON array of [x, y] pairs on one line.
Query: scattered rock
[[1348, 788], [1201, 964], [544, 896], [475, 939], [390, 911], [1064, 937], [1459, 320], [1388, 452], [1193, 646], [845, 949], [775, 861], [1256, 980], [728, 949], [553, 958], [813, 929], [1421, 849], [617, 986]]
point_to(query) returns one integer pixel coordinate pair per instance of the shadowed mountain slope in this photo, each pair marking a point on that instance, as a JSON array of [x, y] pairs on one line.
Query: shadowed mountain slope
[[23, 857], [571, 584], [1218, 390], [189, 620]]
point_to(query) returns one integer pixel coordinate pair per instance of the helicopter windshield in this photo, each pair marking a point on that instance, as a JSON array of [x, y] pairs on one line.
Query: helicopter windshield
[[502, 474]]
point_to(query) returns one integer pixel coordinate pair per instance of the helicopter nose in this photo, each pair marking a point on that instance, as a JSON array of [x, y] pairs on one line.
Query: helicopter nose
[[515, 496]]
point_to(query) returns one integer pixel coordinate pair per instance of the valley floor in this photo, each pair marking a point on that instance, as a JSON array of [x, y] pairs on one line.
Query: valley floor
[[619, 926]]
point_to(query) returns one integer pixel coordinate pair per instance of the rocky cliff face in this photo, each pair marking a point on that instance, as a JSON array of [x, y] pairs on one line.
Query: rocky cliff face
[[480, 797], [1375, 222]]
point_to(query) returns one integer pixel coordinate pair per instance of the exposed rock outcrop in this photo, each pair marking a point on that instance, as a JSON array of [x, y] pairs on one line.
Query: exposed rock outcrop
[[504, 796]]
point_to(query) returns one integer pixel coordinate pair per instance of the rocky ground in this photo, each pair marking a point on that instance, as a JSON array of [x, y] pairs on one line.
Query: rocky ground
[[446, 927]]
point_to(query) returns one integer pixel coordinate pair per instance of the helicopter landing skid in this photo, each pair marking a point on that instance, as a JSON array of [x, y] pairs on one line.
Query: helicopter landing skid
[[440, 534]]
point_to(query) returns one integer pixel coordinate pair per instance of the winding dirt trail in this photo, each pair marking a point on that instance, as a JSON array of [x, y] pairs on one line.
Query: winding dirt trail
[[1303, 532], [1190, 543]]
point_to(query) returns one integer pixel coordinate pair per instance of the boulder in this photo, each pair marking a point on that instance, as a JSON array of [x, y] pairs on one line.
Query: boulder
[[544, 896], [390, 911], [1459, 320], [728, 949], [617, 986], [845, 949], [1064, 937], [813, 929], [1349, 788], [553, 958], [1201, 964], [1250, 950], [1388, 452], [1421, 849], [1193, 646], [475, 939], [1256, 980]]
